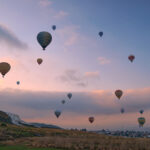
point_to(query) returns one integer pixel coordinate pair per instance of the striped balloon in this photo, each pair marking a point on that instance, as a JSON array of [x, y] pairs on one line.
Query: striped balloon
[[141, 121]]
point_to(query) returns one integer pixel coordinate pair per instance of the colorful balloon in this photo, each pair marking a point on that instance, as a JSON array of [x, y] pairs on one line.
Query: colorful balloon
[[91, 119], [39, 61], [44, 39], [141, 121], [4, 68], [118, 93]]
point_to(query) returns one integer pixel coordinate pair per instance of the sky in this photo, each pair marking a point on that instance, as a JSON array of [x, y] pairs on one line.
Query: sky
[[78, 60]]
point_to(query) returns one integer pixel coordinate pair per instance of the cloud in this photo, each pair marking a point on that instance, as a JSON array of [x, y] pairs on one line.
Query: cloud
[[9, 60], [103, 60], [92, 74], [99, 102], [45, 3], [72, 38], [61, 14], [82, 84], [103, 105], [69, 35], [75, 77], [82, 103], [8, 38], [132, 100]]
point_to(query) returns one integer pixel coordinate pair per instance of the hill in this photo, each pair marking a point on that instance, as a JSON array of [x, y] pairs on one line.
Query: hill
[[37, 137], [67, 139], [10, 118], [4, 117]]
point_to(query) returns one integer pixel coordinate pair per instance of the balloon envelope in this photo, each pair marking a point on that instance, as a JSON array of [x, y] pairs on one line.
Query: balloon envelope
[[141, 111], [131, 58], [18, 82], [57, 113], [54, 27], [141, 121], [44, 38], [118, 93], [4, 68], [122, 110], [39, 61], [69, 95], [63, 101], [91, 119], [101, 34]]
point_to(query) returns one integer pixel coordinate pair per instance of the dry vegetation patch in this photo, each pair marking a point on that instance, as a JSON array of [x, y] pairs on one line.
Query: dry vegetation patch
[[69, 140]]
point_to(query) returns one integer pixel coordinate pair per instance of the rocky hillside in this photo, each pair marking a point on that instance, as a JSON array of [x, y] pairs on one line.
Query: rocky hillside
[[11, 118], [4, 117]]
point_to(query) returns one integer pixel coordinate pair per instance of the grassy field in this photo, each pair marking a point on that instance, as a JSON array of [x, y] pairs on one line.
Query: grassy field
[[23, 148], [53, 139]]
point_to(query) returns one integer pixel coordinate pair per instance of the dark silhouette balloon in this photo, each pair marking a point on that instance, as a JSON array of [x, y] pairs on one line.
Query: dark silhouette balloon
[[131, 58], [63, 101], [91, 119], [18, 82], [4, 68], [118, 93], [54, 27], [69, 95], [44, 39], [101, 34], [57, 113], [122, 110], [141, 111], [39, 61]]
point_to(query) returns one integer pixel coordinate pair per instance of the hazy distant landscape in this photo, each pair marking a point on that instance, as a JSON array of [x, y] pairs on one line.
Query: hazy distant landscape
[[28, 137]]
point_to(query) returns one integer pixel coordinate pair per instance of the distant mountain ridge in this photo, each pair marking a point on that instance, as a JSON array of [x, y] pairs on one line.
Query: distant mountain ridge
[[11, 118], [4, 117]]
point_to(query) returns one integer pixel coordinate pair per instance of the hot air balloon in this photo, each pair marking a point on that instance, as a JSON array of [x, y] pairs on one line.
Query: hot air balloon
[[91, 119], [141, 111], [57, 113], [69, 95], [44, 38], [39, 61], [101, 34], [122, 110], [63, 101], [54, 27], [118, 93], [141, 121], [18, 82], [4, 68], [131, 58]]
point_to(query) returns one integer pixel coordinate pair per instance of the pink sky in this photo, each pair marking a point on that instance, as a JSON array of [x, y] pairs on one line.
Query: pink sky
[[77, 61]]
